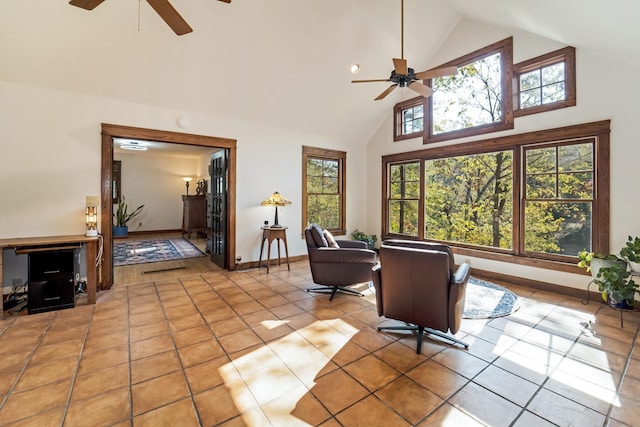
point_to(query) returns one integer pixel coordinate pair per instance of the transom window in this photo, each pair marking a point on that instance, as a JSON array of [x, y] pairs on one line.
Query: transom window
[[323, 186], [409, 118], [545, 83]]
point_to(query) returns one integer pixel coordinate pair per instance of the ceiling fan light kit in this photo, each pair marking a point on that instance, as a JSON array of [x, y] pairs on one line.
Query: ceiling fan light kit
[[162, 7], [403, 76]]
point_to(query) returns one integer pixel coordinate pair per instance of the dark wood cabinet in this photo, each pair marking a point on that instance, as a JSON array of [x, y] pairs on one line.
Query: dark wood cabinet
[[194, 214]]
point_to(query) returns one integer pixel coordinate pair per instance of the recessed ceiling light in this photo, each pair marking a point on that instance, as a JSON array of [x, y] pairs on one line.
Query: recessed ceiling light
[[355, 68]]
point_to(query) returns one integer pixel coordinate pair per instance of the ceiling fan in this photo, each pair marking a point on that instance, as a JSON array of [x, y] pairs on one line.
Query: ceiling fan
[[162, 7], [402, 76]]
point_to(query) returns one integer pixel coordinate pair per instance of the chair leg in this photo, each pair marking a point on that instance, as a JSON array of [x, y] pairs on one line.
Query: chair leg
[[421, 329], [333, 290], [451, 339]]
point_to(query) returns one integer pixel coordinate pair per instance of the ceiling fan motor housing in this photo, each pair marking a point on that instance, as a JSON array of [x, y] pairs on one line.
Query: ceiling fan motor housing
[[403, 80]]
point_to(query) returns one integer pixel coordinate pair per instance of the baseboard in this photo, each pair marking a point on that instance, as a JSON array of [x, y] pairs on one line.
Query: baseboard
[[254, 264]]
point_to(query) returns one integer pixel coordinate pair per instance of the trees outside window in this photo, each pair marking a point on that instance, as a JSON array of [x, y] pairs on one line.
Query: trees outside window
[[323, 183], [558, 198], [404, 197], [468, 199], [475, 100]]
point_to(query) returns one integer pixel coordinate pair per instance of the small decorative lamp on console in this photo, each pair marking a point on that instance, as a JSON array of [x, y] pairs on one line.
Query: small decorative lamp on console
[[275, 200], [91, 215], [187, 180]]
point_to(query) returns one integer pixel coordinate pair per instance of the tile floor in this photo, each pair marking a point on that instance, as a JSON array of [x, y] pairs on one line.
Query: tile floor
[[251, 349]]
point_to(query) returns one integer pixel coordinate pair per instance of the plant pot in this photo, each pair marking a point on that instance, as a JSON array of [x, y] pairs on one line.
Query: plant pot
[[598, 263], [635, 266], [120, 231], [621, 303]]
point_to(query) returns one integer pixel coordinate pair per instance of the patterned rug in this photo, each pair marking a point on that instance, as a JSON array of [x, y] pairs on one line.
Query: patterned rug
[[131, 252], [486, 299]]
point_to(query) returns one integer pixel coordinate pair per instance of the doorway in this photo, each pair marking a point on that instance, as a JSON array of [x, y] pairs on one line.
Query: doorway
[[110, 131]]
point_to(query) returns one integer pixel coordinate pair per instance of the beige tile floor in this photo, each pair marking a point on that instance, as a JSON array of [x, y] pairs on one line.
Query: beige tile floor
[[251, 349]]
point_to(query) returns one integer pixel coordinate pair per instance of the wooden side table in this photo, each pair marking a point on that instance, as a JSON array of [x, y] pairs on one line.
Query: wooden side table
[[270, 234]]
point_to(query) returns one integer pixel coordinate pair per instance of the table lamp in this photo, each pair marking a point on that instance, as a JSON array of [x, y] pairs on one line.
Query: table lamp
[[275, 200]]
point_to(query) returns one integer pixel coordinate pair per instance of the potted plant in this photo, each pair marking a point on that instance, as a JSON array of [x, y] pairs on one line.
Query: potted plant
[[593, 262], [122, 218], [616, 283], [631, 252], [369, 239]]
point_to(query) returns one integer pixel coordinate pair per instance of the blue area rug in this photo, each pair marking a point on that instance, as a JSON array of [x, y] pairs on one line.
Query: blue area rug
[[131, 252], [486, 299]]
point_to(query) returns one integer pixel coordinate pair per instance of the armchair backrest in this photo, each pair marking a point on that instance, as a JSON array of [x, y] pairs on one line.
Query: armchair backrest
[[417, 284], [314, 236]]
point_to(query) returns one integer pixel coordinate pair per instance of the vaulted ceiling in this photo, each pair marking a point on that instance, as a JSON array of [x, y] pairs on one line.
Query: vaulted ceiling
[[283, 63]]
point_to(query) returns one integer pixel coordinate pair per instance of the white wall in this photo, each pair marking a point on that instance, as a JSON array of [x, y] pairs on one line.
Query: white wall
[[155, 181], [50, 160], [606, 89]]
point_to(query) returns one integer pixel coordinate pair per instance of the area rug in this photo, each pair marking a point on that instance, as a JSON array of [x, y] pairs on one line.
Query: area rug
[[485, 300], [131, 252]]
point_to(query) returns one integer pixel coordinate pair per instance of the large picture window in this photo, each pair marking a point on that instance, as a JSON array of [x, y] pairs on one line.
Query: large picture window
[[323, 183], [475, 100], [537, 196], [468, 199]]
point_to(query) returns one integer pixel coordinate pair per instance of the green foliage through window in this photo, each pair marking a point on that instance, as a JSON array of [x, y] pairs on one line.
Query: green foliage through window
[[558, 198], [468, 199], [404, 194], [473, 97], [323, 188]]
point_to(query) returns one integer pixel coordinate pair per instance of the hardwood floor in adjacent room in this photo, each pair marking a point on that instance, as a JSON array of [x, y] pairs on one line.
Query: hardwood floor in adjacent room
[[149, 272]]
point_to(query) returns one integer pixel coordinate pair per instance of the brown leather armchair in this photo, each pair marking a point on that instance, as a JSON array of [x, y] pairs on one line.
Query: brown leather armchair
[[418, 283], [337, 268]]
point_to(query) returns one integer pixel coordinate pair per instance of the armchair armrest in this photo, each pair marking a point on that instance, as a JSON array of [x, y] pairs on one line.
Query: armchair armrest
[[344, 255], [457, 294], [359, 244]]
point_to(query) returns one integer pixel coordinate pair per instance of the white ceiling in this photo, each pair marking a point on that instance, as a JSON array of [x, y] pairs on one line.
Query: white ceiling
[[280, 62]]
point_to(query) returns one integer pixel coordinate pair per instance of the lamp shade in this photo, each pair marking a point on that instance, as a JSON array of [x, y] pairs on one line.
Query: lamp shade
[[276, 199]]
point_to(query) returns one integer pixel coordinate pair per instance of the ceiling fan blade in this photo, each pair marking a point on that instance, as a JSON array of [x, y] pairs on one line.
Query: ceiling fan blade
[[437, 72], [170, 16], [400, 66], [226, 1], [369, 81], [423, 90], [386, 92], [86, 4]]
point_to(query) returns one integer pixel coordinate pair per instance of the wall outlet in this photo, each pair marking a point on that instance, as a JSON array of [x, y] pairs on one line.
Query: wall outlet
[[238, 260]]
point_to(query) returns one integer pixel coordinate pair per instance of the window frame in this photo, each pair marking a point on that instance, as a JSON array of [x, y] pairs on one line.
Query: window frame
[[420, 200], [566, 55], [601, 210], [524, 198], [326, 154], [397, 118], [505, 48]]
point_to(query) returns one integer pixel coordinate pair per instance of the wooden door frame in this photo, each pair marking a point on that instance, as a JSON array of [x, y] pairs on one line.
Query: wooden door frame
[[110, 131]]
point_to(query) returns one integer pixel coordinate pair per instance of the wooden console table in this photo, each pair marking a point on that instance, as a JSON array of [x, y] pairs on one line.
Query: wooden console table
[[270, 234], [52, 241]]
